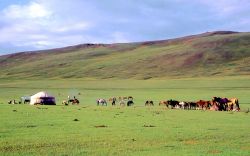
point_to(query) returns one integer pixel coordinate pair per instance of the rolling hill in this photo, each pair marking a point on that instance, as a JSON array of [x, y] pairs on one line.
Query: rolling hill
[[220, 53]]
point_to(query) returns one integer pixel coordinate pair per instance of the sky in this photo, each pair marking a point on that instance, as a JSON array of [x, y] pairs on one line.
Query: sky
[[27, 25]]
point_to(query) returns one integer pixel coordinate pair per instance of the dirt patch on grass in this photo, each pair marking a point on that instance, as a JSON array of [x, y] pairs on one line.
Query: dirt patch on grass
[[100, 126], [133, 139], [31, 126], [214, 151], [213, 129], [41, 108], [149, 126], [191, 142], [169, 146], [245, 148], [157, 112], [14, 148]]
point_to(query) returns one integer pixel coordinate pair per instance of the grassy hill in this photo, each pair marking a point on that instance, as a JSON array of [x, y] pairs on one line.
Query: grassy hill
[[220, 53]]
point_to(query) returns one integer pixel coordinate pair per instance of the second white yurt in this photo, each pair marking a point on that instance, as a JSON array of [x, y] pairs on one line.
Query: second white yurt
[[42, 98]]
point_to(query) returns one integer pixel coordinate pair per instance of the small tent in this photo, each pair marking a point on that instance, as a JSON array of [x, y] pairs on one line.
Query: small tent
[[42, 98]]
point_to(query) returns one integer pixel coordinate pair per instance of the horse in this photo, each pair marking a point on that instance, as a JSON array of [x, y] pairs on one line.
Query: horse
[[214, 107], [74, 101], [25, 99], [164, 103], [13, 102], [192, 105], [122, 103], [113, 100], [149, 103], [221, 103], [130, 98], [184, 105], [102, 102], [122, 98], [130, 101], [203, 105], [233, 104], [173, 103], [64, 102]]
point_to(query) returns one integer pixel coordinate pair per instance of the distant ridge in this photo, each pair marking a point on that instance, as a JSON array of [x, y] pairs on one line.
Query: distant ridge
[[217, 53]]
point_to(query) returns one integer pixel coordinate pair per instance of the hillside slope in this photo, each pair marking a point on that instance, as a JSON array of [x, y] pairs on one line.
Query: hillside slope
[[216, 53]]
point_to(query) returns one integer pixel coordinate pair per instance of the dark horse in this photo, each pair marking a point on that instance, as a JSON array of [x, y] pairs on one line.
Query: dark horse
[[221, 103], [113, 100], [149, 103], [74, 101], [130, 101], [172, 103]]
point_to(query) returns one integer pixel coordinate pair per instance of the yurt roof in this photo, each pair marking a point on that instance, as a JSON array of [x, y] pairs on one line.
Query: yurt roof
[[42, 94]]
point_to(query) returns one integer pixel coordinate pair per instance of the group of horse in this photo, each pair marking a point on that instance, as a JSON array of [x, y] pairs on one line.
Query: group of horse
[[121, 100], [73, 101], [14, 102], [23, 100], [216, 104]]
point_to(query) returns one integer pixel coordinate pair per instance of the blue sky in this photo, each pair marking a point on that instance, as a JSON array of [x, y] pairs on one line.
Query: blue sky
[[42, 24]]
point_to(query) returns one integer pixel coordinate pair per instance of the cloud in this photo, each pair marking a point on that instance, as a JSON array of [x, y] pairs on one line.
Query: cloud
[[31, 11], [39, 25], [227, 7], [43, 24], [74, 27]]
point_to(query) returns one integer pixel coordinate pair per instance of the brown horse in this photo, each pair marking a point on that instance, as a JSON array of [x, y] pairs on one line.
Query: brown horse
[[214, 107], [122, 98], [203, 104], [163, 103], [233, 104]]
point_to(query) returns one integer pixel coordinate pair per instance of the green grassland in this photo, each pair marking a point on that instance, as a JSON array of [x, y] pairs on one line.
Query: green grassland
[[137, 130]]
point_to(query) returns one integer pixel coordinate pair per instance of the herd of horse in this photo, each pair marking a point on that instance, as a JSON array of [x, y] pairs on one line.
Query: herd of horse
[[73, 101], [122, 101], [216, 104]]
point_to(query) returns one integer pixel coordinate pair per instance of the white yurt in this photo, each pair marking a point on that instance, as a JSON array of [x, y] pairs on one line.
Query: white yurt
[[42, 98]]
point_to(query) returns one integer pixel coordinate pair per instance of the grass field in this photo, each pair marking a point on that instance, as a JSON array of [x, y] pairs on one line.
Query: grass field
[[90, 130]]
